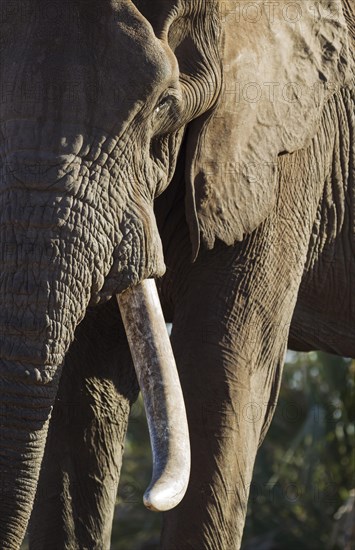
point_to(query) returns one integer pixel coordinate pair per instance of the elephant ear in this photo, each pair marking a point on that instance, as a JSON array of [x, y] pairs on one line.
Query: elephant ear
[[191, 29], [281, 61]]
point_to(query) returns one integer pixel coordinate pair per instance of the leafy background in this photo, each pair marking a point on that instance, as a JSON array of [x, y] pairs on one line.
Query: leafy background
[[304, 472]]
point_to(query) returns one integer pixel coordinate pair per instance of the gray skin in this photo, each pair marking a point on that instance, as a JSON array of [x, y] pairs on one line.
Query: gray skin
[[104, 104]]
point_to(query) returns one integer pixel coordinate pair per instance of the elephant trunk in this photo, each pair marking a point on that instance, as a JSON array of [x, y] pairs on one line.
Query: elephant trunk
[[25, 411], [44, 291], [158, 379], [55, 252]]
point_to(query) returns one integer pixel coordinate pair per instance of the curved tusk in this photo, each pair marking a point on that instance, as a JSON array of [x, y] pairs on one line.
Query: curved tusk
[[162, 395]]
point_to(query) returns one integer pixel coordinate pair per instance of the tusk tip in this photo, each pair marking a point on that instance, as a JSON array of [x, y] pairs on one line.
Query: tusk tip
[[162, 500]]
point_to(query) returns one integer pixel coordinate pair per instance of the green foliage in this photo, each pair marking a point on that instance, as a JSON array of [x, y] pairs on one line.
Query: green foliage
[[303, 473], [306, 466]]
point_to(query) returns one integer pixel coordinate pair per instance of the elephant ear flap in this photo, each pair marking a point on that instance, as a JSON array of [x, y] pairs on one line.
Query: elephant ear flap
[[279, 68]]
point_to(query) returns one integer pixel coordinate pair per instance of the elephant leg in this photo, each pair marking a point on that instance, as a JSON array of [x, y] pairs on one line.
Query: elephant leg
[[229, 337], [80, 472]]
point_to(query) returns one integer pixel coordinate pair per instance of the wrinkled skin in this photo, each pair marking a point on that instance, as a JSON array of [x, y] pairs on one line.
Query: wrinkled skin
[[103, 106]]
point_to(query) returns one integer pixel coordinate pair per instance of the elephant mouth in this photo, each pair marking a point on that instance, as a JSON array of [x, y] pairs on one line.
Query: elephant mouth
[[138, 256], [159, 383]]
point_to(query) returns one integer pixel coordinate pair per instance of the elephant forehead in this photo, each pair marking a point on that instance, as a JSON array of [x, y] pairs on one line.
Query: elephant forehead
[[84, 60], [136, 48], [110, 34]]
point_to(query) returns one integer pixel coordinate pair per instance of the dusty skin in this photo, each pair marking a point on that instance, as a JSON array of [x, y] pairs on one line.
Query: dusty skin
[[208, 145]]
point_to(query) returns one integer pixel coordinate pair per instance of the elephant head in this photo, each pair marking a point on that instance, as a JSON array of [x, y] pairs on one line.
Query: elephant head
[[92, 115], [97, 99]]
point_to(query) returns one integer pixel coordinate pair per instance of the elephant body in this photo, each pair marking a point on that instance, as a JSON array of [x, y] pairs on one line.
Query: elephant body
[[254, 217]]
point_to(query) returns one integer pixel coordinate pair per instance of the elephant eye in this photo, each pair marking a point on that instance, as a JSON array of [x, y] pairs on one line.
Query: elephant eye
[[167, 112], [163, 105]]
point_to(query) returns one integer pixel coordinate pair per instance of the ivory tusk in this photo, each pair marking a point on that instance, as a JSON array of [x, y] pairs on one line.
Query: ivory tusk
[[162, 395]]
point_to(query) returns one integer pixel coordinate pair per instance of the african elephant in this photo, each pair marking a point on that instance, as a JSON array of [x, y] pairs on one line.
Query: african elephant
[[235, 120]]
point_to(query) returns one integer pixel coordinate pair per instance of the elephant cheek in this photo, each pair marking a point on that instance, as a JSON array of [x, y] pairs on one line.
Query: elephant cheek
[[138, 256]]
